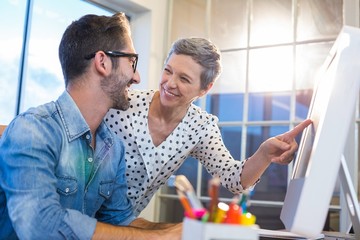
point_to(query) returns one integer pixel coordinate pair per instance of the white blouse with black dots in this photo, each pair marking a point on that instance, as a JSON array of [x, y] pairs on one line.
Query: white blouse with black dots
[[149, 167]]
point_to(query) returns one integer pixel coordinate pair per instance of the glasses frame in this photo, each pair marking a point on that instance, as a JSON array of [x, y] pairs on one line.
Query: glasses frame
[[118, 54]]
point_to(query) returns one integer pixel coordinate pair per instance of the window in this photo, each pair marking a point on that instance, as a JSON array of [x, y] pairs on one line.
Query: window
[[271, 50], [10, 51], [31, 74]]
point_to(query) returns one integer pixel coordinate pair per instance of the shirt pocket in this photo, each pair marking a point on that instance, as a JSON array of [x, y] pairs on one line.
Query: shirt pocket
[[106, 189], [67, 186]]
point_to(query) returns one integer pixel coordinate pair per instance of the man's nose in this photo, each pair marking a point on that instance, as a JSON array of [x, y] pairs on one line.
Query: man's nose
[[136, 77]]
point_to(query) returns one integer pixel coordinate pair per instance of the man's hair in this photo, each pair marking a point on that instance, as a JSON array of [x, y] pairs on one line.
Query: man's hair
[[202, 52], [88, 35]]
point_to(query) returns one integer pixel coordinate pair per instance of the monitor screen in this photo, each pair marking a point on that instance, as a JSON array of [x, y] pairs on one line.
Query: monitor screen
[[322, 145]]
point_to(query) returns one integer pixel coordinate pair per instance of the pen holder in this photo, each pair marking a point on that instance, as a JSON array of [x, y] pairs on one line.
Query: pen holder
[[194, 229]]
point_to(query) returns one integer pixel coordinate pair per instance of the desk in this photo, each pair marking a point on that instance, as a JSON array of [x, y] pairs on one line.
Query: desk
[[275, 234], [338, 236], [193, 229]]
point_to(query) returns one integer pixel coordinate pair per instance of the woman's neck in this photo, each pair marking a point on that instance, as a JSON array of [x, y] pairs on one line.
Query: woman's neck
[[162, 121]]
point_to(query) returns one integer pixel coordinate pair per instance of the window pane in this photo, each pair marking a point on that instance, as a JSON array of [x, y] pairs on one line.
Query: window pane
[[232, 78], [274, 181], [271, 22], [44, 79], [303, 100], [10, 52], [269, 107], [271, 69], [232, 140], [227, 107], [228, 27], [309, 58], [319, 19]]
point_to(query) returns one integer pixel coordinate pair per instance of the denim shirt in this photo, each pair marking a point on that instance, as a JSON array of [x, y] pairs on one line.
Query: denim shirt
[[45, 192]]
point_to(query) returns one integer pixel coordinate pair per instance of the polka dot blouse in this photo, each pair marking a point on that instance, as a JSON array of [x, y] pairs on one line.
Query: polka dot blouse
[[149, 167]]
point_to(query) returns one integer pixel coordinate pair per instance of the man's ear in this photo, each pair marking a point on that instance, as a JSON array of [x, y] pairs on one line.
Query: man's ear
[[102, 63]]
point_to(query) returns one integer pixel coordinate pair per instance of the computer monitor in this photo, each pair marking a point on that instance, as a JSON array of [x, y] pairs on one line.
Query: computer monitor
[[320, 153]]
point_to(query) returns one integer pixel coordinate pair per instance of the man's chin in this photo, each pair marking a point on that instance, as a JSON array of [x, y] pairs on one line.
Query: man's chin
[[122, 106]]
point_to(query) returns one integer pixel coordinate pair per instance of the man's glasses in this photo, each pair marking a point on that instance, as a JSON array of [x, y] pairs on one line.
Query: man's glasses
[[132, 56]]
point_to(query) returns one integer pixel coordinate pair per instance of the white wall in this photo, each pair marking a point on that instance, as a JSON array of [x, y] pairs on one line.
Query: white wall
[[149, 25]]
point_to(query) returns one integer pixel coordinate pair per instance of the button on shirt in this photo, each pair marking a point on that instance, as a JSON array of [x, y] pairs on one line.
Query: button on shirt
[[53, 184]]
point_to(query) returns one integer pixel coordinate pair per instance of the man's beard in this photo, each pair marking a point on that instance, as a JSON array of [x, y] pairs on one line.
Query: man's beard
[[115, 87]]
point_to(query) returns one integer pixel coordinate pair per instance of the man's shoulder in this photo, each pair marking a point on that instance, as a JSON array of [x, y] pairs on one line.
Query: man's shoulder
[[44, 110], [40, 113], [35, 126]]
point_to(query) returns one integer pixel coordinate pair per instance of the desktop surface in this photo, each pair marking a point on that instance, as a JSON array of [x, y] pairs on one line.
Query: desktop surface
[[265, 234]]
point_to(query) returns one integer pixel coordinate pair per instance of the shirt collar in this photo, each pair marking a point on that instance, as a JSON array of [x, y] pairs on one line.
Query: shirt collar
[[73, 121]]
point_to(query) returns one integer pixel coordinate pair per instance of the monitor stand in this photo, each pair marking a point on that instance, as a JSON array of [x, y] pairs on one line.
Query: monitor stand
[[350, 196]]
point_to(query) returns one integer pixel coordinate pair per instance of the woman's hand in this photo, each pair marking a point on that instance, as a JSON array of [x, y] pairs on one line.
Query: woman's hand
[[281, 149]]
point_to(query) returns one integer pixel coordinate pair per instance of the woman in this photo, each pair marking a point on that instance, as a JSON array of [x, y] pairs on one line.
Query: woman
[[162, 128]]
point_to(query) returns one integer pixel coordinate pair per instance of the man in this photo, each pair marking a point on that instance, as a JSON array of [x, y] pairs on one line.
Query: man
[[62, 170]]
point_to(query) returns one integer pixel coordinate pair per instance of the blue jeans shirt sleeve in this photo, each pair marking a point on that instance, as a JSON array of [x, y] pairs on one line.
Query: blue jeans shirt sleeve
[[38, 151], [27, 167]]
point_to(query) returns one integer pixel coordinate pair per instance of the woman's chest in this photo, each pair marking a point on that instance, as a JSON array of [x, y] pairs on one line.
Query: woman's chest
[[160, 131]]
